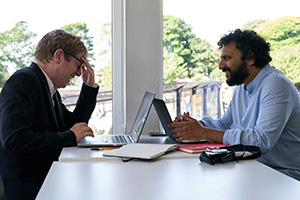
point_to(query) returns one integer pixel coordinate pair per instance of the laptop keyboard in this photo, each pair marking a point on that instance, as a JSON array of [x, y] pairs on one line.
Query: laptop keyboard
[[123, 139]]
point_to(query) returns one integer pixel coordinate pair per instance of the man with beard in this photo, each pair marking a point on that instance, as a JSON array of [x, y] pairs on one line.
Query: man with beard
[[264, 110]]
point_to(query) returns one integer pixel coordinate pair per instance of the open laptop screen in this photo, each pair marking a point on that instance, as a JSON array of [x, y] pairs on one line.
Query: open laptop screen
[[142, 115]]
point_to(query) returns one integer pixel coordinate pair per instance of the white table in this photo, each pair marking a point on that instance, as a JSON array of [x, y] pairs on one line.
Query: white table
[[72, 154], [166, 179]]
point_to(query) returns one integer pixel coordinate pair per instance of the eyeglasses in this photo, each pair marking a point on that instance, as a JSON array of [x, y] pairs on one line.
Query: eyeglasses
[[81, 62]]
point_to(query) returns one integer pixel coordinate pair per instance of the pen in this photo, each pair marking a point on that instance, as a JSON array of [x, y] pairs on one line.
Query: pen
[[105, 148]]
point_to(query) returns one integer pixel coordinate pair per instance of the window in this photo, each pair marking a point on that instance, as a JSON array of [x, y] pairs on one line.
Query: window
[[192, 29], [89, 19]]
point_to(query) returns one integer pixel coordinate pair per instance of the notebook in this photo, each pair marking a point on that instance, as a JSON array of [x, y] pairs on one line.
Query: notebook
[[141, 151], [122, 139], [198, 148], [165, 120]]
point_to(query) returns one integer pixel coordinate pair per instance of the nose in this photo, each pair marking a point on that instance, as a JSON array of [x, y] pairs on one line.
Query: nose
[[221, 65]]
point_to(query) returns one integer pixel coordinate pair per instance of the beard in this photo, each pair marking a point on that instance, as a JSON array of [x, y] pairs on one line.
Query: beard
[[237, 76]]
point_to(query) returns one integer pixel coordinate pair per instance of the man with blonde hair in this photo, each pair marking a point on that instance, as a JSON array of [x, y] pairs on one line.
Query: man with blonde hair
[[34, 123]]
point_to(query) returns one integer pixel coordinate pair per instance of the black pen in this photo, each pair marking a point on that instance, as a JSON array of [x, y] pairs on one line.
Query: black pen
[[104, 148]]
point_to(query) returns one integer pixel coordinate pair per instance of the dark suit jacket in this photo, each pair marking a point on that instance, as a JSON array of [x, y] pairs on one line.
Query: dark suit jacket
[[31, 134]]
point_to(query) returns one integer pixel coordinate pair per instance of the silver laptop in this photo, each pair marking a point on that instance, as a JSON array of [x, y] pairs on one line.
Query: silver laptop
[[122, 139]]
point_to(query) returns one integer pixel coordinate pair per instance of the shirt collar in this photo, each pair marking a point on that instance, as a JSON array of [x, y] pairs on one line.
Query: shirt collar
[[50, 84], [256, 81]]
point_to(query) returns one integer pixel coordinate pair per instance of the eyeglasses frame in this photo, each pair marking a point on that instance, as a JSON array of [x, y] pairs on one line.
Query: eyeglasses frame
[[81, 62]]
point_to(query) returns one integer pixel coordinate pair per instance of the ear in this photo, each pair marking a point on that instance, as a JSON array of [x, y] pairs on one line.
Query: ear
[[251, 60], [58, 56]]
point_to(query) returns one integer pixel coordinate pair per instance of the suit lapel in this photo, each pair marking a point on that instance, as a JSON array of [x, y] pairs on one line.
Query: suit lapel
[[43, 79], [59, 111]]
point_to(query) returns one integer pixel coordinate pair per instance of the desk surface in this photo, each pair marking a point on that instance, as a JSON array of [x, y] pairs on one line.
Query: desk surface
[[164, 179], [71, 154]]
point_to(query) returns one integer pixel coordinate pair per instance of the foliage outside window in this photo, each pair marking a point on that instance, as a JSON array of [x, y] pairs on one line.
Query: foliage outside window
[[185, 56]]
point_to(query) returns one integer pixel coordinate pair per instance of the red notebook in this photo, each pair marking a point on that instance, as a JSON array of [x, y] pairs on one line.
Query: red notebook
[[198, 148]]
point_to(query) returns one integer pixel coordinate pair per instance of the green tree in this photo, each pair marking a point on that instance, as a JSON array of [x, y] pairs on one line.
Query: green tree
[[281, 31], [16, 49], [185, 55], [253, 24], [173, 67], [204, 57], [176, 34], [81, 29], [284, 37]]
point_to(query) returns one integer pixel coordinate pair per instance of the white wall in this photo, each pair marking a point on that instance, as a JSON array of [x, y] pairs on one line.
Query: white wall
[[137, 59]]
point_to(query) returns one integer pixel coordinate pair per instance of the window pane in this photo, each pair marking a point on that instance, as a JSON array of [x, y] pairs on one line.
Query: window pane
[[192, 29], [34, 18]]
